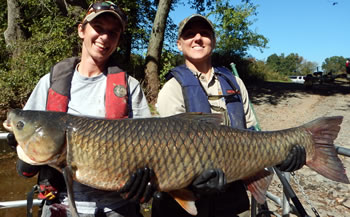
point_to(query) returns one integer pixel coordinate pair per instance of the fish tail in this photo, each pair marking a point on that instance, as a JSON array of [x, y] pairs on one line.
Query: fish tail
[[325, 160]]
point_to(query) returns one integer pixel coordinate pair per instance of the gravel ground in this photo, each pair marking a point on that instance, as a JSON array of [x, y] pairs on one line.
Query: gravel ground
[[284, 105]]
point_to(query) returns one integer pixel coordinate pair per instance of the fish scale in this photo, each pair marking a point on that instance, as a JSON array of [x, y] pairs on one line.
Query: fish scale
[[174, 156]]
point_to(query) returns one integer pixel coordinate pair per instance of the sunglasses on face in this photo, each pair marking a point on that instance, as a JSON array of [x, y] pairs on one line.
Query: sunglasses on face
[[107, 5]]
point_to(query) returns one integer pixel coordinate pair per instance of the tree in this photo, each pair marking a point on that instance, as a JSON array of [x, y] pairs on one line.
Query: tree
[[13, 32], [335, 64], [234, 24], [154, 50], [274, 61], [291, 64], [286, 65], [50, 36], [4, 54], [233, 34], [49, 30], [307, 67]]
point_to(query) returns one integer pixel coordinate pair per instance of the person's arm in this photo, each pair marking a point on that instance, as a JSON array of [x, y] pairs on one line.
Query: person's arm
[[38, 98], [248, 110], [138, 100], [170, 99]]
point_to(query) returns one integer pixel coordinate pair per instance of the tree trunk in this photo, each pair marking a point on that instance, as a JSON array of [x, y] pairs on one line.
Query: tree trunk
[[155, 49], [13, 33]]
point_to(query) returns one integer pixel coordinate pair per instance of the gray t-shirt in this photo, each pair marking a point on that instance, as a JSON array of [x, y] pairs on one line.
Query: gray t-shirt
[[87, 97]]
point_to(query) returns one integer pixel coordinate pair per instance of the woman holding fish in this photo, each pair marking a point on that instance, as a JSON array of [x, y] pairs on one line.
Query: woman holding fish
[[91, 85], [197, 86]]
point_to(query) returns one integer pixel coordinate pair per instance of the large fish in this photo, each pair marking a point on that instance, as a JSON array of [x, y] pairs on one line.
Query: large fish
[[103, 153]]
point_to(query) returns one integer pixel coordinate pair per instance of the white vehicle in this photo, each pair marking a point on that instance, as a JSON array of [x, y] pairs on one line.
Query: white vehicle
[[297, 79]]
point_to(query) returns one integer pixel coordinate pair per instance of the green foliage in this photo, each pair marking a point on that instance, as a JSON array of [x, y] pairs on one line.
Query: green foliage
[[135, 67], [51, 35], [334, 64], [233, 31], [141, 14], [52, 38], [243, 66], [293, 64], [307, 67], [168, 61], [278, 68], [261, 70]]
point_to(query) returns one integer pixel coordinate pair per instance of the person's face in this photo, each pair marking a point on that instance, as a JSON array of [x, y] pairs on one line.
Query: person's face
[[196, 42], [100, 37]]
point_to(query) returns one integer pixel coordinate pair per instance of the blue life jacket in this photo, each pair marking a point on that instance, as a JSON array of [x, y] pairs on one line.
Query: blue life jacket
[[196, 99]]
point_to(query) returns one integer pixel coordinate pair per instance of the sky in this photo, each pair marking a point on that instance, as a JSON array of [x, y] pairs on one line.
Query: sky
[[314, 29]]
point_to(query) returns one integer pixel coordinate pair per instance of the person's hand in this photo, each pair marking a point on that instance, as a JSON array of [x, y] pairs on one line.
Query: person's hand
[[296, 159], [26, 170], [139, 188], [209, 182], [11, 141]]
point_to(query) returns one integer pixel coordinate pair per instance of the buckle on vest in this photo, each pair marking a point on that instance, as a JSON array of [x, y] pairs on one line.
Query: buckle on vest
[[47, 192]]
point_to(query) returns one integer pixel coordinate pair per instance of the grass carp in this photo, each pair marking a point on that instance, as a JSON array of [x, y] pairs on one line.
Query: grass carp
[[103, 153]]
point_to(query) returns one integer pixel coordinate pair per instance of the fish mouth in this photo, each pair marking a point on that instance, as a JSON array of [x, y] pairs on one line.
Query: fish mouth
[[24, 157], [29, 159], [7, 125]]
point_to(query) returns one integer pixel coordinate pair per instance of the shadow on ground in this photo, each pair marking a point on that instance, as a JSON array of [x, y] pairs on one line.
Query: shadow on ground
[[274, 92]]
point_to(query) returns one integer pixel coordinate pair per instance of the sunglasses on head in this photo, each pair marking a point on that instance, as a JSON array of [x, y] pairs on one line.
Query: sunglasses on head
[[107, 5]]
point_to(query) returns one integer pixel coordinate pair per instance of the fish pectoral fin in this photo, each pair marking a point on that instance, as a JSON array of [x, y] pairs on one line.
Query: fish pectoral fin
[[258, 185], [68, 178], [189, 206], [186, 199]]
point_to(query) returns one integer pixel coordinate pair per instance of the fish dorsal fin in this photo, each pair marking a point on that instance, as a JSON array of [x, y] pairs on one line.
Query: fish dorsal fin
[[186, 199], [258, 185], [214, 118]]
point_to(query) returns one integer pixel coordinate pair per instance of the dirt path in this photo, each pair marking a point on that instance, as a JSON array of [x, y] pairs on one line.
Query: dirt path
[[280, 106]]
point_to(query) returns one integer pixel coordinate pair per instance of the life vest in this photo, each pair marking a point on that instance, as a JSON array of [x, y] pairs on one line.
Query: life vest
[[196, 99], [61, 75], [50, 181]]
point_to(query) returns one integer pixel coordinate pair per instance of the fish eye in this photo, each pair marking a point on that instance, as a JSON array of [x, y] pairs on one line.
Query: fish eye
[[20, 125]]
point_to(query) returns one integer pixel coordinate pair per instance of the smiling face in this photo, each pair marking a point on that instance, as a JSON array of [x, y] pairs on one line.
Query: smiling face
[[197, 42], [100, 37]]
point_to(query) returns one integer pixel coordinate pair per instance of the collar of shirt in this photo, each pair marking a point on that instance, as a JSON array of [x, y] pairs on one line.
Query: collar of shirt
[[202, 78], [211, 86]]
